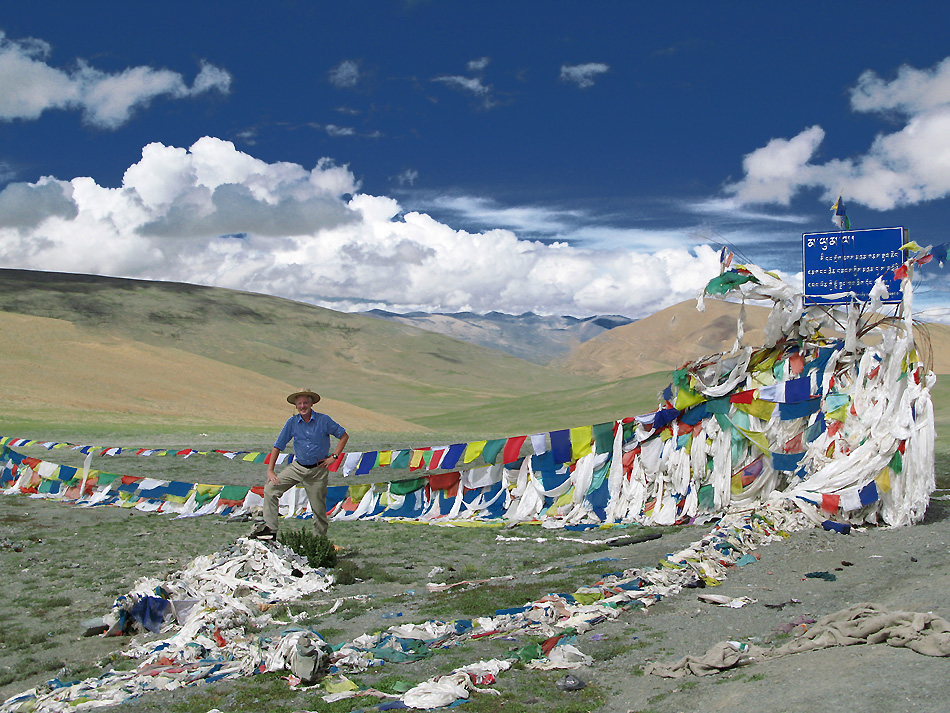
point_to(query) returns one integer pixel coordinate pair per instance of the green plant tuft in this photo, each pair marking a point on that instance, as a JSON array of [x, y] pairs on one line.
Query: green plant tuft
[[318, 549]]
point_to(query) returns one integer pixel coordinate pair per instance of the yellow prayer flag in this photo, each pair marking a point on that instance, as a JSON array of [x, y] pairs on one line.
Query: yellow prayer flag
[[385, 458], [840, 413], [758, 408], [473, 450], [736, 484], [581, 441], [686, 398], [883, 480], [415, 460], [565, 499], [757, 437], [356, 492], [250, 457]]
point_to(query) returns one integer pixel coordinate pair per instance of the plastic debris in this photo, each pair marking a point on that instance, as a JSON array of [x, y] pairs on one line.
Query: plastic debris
[[570, 683], [723, 601]]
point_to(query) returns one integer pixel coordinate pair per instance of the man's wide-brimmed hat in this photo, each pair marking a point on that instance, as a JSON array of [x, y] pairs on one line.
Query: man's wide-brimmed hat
[[292, 399]]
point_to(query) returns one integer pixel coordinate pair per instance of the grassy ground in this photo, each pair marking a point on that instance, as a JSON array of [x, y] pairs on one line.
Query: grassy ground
[[70, 563], [80, 560], [73, 562]]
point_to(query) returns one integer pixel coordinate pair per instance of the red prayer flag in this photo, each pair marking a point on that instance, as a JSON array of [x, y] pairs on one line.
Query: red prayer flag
[[796, 363], [743, 397], [513, 449]]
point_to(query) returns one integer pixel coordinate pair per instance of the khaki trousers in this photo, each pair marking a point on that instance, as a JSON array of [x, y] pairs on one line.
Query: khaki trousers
[[314, 482]]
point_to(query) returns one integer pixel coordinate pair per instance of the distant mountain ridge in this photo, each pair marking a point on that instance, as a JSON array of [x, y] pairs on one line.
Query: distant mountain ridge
[[532, 337]]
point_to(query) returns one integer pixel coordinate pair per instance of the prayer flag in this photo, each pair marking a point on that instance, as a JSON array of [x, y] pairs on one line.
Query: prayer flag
[[603, 434], [686, 398], [561, 446], [868, 493], [538, 443], [883, 480], [401, 459], [492, 449], [367, 462], [786, 461], [581, 442], [474, 450], [513, 448], [829, 503], [453, 455], [415, 461], [758, 408], [436, 460], [350, 461], [840, 218]]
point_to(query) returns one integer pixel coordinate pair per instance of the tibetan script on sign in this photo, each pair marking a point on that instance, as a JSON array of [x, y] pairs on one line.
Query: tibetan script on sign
[[843, 265]]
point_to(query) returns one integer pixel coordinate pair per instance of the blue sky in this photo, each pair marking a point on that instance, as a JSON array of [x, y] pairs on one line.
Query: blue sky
[[570, 158]]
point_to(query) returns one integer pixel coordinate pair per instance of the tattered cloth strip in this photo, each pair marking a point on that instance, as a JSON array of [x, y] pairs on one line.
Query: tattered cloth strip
[[922, 632]]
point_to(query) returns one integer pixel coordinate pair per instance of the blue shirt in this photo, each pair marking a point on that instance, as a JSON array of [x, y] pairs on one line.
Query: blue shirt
[[311, 439]]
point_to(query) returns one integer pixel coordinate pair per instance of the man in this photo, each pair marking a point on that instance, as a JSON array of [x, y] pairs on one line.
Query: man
[[310, 432]]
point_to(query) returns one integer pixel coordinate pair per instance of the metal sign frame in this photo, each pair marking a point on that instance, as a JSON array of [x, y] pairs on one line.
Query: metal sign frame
[[844, 264]]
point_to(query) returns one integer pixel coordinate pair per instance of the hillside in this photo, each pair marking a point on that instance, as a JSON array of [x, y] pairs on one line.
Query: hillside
[[392, 369], [669, 338], [61, 371]]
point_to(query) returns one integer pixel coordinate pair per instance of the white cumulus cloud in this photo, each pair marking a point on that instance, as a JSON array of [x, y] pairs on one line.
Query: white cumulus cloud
[[211, 214], [904, 167], [29, 85]]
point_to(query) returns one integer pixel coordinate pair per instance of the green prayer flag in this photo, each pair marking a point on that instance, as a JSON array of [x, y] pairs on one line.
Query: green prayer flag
[[404, 487], [492, 449], [897, 462], [604, 437], [234, 492], [726, 282], [401, 458]]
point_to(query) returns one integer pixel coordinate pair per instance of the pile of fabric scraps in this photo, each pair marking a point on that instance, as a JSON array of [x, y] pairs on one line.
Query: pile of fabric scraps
[[922, 632], [219, 597], [213, 605]]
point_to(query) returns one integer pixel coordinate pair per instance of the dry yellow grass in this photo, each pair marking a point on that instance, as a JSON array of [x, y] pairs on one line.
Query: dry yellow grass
[[52, 369]]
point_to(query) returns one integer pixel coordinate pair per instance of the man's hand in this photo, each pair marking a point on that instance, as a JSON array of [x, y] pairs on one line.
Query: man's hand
[[271, 476], [328, 461]]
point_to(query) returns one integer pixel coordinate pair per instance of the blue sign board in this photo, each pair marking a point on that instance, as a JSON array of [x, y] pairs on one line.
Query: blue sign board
[[849, 261]]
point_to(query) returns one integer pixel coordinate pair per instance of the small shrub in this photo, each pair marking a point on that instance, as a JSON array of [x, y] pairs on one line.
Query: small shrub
[[346, 572], [318, 549]]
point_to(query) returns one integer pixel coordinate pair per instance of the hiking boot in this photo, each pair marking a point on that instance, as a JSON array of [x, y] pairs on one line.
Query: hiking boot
[[262, 532]]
